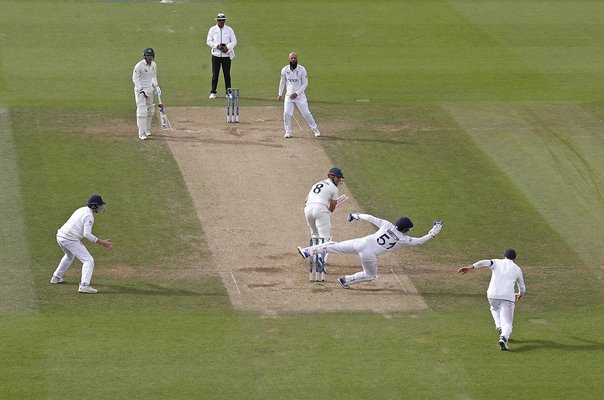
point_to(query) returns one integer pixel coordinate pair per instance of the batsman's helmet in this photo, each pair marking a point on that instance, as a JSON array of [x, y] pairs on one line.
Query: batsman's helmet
[[403, 224], [337, 172], [510, 254], [148, 52], [95, 201]]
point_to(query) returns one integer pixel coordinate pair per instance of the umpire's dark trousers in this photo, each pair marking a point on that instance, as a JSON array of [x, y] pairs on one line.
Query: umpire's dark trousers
[[225, 63]]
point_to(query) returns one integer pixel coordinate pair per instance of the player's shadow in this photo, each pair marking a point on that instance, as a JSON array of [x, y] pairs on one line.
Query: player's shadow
[[520, 346], [150, 290]]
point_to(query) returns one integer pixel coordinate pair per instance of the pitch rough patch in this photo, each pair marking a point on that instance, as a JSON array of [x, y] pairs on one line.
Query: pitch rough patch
[[248, 186]]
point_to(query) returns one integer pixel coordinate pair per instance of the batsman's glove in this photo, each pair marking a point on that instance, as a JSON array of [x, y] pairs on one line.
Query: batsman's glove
[[436, 227], [143, 93], [157, 90], [353, 217]]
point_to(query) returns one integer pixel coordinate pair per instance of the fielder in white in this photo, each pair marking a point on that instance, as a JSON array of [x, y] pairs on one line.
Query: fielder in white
[[144, 77], [294, 81], [505, 277], [389, 237], [69, 237]]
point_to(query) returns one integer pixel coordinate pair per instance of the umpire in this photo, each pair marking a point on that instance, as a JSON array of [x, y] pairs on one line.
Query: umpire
[[222, 41]]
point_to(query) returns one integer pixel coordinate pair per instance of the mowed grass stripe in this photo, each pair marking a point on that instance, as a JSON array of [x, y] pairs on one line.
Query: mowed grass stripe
[[553, 154], [16, 286]]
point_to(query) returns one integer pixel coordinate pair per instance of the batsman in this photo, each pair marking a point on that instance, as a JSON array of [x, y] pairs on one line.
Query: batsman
[[322, 200], [144, 77]]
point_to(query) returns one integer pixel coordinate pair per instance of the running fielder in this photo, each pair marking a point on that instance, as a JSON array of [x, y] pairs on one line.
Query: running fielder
[[505, 277], [69, 237], [144, 77], [389, 237]]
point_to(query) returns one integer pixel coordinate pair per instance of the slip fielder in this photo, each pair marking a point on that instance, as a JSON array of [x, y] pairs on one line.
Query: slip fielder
[[69, 237], [505, 277]]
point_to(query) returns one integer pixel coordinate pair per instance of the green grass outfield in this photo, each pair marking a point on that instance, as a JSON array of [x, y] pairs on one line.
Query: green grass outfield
[[488, 114]]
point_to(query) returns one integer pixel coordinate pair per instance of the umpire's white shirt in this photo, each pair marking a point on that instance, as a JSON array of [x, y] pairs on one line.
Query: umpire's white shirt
[[144, 76], [79, 225], [217, 36], [504, 278], [294, 81]]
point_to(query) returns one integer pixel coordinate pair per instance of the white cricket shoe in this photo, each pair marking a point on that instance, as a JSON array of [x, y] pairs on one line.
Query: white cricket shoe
[[56, 280], [212, 96], [147, 133], [142, 137], [287, 135], [316, 132], [87, 289]]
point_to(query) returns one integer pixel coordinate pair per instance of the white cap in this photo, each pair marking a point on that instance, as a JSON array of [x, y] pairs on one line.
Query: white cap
[[220, 16]]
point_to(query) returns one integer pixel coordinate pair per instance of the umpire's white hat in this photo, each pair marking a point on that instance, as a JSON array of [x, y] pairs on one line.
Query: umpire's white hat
[[221, 16]]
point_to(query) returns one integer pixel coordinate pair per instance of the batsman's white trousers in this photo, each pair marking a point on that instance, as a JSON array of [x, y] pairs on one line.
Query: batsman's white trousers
[[75, 249], [361, 247], [503, 315], [318, 219], [145, 109], [288, 112]]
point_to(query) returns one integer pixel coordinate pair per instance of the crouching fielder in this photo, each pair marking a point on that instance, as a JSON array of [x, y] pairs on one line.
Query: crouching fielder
[[389, 237], [69, 237], [506, 275], [144, 77]]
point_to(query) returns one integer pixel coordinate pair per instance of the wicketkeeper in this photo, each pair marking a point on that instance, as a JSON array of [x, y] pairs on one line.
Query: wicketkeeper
[[389, 237]]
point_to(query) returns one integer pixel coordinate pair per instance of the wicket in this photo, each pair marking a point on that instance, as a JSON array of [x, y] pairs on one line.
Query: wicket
[[318, 261], [232, 114]]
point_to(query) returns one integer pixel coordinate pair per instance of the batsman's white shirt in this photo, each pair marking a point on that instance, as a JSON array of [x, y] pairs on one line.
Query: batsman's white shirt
[[78, 226], [322, 193], [294, 81], [504, 278], [144, 76]]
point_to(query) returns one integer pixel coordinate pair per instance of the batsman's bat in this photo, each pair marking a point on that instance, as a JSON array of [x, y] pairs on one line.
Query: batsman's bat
[[165, 122], [342, 199]]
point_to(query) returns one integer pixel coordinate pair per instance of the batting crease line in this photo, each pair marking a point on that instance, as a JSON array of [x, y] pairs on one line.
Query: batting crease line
[[399, 281], [237, 286]]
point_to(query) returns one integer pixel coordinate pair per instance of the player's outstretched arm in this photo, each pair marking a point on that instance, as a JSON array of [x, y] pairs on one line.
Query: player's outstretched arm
[[465, 270]]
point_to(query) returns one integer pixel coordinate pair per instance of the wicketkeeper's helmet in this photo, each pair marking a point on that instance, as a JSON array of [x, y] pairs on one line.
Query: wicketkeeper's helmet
[[403, 224], [95, 201], [148, 52]]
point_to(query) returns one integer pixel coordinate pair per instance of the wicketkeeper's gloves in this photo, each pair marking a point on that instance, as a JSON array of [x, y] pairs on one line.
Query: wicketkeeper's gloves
[[353, 217], [436, 227]]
